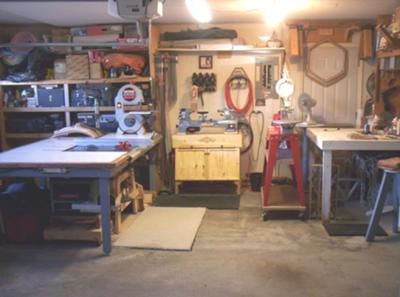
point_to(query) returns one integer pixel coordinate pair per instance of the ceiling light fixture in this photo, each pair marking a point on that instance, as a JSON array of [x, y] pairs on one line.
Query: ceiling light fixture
[[200, 10], [275, 11]]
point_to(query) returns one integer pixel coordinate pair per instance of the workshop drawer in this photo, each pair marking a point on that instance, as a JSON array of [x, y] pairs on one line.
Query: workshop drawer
[[207, 140]]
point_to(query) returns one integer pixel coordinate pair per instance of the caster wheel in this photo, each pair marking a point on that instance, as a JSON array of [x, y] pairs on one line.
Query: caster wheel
[[303, 216], [265, 216]]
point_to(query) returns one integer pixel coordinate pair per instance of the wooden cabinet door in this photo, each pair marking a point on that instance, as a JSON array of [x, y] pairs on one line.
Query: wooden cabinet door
[[223, 164], [190, 164]]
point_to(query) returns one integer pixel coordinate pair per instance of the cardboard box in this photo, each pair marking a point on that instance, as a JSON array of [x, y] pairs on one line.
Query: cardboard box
[[77, 67], [95, 71]]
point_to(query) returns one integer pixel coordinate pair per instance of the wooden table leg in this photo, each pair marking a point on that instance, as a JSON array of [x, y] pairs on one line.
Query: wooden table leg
[[177, 187], [326, 185], [104, 188]]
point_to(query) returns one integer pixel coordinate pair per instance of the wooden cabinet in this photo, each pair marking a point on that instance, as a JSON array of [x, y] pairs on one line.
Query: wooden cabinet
[[190, 164], [207, 164], [223, 164], [207, 157]]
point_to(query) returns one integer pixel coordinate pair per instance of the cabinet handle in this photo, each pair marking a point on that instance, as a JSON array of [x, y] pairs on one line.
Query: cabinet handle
[[206, 153]]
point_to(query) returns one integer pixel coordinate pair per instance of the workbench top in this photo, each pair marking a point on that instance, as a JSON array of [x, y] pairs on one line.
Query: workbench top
[[52, 152], [339, 139]]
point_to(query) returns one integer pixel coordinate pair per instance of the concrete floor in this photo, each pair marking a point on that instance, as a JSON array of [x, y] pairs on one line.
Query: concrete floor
[[235, 254]]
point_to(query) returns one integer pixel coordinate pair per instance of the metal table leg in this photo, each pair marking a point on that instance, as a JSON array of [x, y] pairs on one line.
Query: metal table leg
[[377, 212], [104, 188], [305, 157], [152, 171], [396, 202], [326, 185]]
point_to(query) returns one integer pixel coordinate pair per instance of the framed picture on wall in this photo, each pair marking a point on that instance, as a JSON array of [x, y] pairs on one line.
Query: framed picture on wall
[[205, 62]]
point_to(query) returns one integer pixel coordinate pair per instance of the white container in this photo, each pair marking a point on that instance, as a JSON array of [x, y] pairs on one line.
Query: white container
[[60, 69]]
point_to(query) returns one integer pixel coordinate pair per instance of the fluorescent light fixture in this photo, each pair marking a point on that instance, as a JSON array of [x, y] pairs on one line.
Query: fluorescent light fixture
[[200, 10]]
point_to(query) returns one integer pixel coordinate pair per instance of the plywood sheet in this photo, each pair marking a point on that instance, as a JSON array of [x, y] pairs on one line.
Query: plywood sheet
[[165, 228]]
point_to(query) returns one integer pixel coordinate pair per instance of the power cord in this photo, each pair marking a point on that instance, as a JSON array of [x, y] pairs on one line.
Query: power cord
[[256, 113]]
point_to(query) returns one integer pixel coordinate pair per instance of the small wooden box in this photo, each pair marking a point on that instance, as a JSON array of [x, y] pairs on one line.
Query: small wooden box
[[77, 67]]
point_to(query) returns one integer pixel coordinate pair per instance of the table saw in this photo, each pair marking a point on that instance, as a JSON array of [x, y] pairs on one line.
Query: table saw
[[55, 157]]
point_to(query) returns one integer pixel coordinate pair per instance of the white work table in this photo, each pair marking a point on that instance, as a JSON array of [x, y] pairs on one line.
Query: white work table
[[337, 139], [53, 152], [52, 158]]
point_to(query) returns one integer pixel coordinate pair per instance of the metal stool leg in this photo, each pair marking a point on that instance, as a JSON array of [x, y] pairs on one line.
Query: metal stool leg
[[376, 214], [396, 198]]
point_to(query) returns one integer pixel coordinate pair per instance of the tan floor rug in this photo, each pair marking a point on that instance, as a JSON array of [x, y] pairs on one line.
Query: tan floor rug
[[164, 228]]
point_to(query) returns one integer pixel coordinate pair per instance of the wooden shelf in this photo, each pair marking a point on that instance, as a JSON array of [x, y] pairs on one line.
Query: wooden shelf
[[388, 54], [33, 109], [259, 50], [144, 43], [78, 81], [283, 197], [89, 108], [27, 135]]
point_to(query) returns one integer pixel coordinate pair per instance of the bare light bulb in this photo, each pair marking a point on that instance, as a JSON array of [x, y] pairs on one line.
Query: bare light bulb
[[200, 10]]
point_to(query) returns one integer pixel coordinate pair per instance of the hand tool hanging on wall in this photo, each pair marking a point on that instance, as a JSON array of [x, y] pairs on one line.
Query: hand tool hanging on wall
[[239, 80], [205, 82], [194, 96]]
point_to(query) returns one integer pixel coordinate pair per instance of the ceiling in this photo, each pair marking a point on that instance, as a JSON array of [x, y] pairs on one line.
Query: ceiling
[[73, 13]]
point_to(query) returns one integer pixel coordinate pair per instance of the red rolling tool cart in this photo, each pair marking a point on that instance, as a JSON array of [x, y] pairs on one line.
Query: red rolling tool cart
[[283, 197]]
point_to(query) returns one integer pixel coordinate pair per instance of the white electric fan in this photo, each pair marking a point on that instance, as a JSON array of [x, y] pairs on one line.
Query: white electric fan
[[306, 104]]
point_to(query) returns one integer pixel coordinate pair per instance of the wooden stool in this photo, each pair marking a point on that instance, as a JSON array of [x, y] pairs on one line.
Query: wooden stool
[[380, 201]]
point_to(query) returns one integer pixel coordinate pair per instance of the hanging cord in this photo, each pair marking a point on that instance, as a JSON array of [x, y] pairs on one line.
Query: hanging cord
[[256, 114], [238, 78], [246, 130]]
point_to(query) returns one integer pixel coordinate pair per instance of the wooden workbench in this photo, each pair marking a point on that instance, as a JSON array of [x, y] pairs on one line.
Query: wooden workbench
[[50, 158], [337, 139]]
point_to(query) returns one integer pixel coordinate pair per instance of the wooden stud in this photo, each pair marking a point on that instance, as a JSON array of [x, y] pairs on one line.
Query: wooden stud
[[294, 42]]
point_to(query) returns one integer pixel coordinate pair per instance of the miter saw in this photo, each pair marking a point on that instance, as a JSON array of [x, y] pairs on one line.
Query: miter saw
[[129, 122], [229, 122]]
